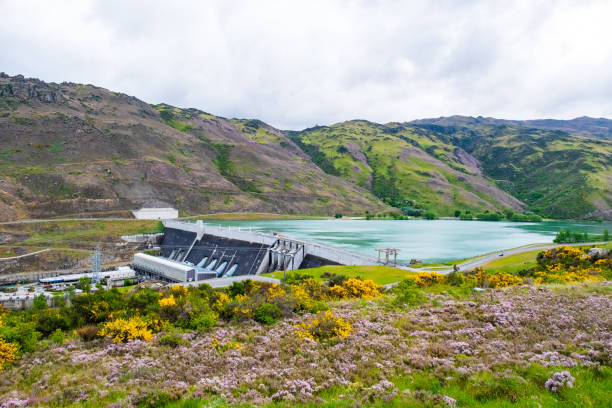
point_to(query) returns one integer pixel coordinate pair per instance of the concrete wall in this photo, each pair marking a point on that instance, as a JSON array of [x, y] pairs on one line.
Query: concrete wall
[[337, 255], [144, 238], [156, 213], [22, 302], [223, 282]]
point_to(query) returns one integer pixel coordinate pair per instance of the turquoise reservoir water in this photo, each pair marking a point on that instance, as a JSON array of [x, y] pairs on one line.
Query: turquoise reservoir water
[[430, 241]]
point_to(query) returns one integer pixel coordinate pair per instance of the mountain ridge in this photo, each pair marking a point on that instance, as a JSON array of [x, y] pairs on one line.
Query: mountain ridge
[[71, 149]]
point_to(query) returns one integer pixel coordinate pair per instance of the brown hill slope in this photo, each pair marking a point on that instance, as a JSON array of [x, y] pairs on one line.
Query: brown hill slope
[[70, 149]]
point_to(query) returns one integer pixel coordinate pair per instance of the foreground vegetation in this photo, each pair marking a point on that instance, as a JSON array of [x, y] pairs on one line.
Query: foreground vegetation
[[536, 338]]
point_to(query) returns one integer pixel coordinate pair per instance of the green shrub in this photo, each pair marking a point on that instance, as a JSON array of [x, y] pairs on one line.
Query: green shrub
[[24, 333], [333, 279], [488, 216], [407, 293], [51, 320], [203, 320], [172, 339], [39, 303], [267, 313], [295, 277], [455, 278], [58, 337]]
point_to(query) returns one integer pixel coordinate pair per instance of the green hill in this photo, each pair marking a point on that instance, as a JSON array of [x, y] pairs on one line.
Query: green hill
[[405, 166], [557, 174]]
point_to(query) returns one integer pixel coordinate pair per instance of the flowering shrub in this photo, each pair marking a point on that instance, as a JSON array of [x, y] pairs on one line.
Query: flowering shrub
[[426, 279], [565, 255], [503, 280], [326, 325], [220, 303], [8, 353], [275, 291], [121, 330], [3, 311], [559, 380], [363, 289], [167, 301]]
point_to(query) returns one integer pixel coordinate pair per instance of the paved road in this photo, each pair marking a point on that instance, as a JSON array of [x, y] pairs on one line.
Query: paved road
[[473, 263], [64, 219], [24, 255]]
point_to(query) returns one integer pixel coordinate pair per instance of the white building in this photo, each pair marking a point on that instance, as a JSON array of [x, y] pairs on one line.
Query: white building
[[164, 269], [156, 213]]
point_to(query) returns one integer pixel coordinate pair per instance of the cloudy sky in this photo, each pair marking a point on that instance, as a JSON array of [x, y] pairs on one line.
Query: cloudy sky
[[295, 64]]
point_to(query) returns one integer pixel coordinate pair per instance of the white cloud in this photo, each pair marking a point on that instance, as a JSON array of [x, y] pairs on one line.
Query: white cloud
[[297, 64]]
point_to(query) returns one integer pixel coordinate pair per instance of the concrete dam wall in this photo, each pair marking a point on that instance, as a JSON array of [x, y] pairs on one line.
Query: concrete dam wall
[[215, 251]]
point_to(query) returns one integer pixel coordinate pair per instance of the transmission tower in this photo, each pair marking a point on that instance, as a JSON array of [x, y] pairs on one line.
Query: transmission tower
[[96, 265]]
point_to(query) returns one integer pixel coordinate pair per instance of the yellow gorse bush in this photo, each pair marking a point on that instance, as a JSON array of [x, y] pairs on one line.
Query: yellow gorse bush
[[426, 279], [275, 291], [3, 311], [364, 289], [179, 290], [325, 325], [221, 301], [134, 328], [167, 301], [503, 280], [8, 353]]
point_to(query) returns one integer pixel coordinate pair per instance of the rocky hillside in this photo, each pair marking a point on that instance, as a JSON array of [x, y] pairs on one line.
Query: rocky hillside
[[69, 149]]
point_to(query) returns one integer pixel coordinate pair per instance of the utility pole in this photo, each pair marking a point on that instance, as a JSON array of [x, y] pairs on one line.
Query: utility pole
[[96, 265]]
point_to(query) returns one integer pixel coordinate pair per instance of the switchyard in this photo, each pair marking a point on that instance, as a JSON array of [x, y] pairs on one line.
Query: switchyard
[[194, 251]]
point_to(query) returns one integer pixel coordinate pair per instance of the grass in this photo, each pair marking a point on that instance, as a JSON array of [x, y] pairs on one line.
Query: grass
[[63, 233], [379, 274], [513, 263]]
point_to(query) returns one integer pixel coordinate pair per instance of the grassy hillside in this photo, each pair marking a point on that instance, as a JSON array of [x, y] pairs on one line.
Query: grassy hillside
[[404, 166], [460, 163], [71, 149], [557, 174]]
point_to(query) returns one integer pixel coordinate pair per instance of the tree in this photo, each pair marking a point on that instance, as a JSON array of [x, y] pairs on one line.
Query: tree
[[40, 303], [457, 213], [85, 284], [606, 235]]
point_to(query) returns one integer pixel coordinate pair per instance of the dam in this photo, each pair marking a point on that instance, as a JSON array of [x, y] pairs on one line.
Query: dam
[[193, 251]]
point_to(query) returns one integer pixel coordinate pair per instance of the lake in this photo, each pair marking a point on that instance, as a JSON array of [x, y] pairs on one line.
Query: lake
[[430, 241]]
